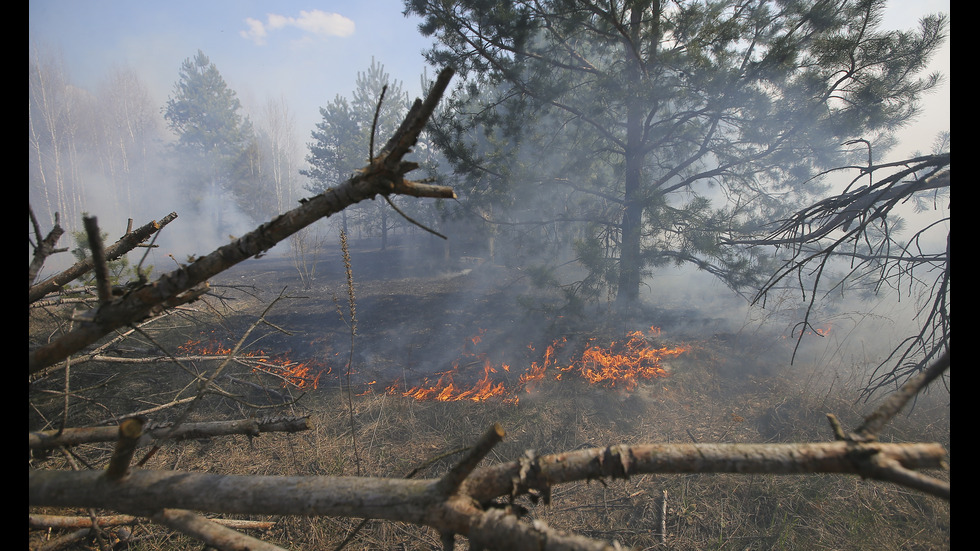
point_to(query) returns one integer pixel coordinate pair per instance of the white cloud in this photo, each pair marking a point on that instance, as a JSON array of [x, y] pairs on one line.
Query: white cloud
[[323, 23], [256, 31], [277, 21], [316, 22]]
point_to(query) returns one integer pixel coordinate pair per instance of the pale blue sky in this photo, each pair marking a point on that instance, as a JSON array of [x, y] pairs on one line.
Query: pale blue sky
[[309, 52]]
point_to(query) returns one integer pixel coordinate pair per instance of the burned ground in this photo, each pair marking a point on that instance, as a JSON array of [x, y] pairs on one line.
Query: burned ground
[[417, 316]]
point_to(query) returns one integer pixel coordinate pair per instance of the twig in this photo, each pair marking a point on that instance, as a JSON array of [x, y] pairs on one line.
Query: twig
[[204, 385], [412, 220], [663, 519], [374, 123], [897, 400], [100, 265], [210, 532]]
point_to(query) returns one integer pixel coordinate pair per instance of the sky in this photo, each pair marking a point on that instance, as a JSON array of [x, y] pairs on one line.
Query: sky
[[302, 51]]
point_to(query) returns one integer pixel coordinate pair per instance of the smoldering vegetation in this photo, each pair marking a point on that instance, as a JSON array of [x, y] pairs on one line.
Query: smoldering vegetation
[[416, 316], [412, 347]]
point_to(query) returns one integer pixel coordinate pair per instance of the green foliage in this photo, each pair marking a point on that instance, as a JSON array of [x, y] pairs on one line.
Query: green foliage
[[212, 135], [120, 270], [346, 137], [651, 130]]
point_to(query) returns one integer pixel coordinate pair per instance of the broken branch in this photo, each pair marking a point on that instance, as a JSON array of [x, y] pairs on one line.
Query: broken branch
[[384, 175]]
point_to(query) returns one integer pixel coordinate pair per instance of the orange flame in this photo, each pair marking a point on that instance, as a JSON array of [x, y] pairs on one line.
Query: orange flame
[[622, 365], [302, 375], [446, 390]]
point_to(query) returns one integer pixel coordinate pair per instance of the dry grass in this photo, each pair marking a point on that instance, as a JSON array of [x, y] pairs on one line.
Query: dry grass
[[709, 397]]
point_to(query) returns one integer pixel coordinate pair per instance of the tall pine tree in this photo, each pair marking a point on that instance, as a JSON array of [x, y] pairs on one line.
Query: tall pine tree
[[342, 140], [212, 133], [668, 124]]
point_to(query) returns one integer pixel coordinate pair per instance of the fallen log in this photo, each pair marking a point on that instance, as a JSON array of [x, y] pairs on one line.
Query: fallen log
[[461, 502], [252, 427]]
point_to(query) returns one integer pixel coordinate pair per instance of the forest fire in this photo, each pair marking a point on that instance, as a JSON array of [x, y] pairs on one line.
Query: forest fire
[[301, 375], [623, 364], [446, 389]]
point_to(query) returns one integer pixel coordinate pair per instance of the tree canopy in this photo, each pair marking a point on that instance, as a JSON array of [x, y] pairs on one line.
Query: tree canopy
[[663, 127], [212, 134], [344, 138]]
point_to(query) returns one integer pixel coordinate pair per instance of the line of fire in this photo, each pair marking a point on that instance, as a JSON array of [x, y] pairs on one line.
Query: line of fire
[[621, 364]]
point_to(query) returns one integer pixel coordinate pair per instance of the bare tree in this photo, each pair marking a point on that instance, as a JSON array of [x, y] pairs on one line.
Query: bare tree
[[126, 127], [277, 128], [52, 124], [858, 229]]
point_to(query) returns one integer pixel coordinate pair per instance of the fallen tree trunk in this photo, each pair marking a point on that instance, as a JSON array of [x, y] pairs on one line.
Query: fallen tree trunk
[[459, 502], [86, 435]]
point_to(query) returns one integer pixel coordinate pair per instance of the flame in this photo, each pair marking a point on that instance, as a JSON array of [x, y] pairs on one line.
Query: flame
[[446, 389], [810, 329], [302, 375], [627, 363], [622, 365]]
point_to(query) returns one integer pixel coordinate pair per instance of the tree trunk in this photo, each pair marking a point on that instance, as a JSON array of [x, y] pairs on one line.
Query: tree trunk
[[630, 262]]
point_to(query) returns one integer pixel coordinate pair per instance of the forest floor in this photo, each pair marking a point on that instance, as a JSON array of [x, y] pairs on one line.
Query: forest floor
[[422, 323]]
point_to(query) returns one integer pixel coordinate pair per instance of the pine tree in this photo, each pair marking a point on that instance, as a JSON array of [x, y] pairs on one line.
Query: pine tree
[[212, 134], [342, 139], [664, 126]]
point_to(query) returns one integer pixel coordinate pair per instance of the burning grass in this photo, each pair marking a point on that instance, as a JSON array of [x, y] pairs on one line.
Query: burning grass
[[399, 434], [622, 364], [549, 399]]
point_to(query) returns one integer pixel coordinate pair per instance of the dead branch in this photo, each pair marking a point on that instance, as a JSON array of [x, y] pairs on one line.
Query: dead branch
[[464, 511], [125, 244], [38, 522], [897, 400], [250, 427], [383, 176], [130, 431], [538, 474], [100, 266], [45, 246], [211, 533], [855, 226]]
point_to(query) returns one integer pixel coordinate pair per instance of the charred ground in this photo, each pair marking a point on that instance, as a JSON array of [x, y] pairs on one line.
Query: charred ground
[[417, 314]]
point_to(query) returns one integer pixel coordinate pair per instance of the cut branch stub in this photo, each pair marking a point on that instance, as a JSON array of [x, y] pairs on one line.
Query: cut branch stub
[[130, 431]]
